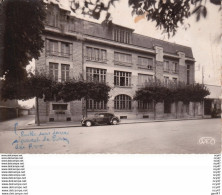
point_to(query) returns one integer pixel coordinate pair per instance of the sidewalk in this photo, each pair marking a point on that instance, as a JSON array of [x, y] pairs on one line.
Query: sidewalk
[[68, 124]]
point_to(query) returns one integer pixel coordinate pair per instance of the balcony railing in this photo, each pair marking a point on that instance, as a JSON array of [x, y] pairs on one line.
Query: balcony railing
[[148, 67], [128, 64], [58, 54], [93, 59], [171, 71]]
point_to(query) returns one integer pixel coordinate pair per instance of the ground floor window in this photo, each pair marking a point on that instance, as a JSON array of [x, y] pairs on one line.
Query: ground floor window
[[93, 105], [122, 102], [145, 105], [59, 106], [167, 107]]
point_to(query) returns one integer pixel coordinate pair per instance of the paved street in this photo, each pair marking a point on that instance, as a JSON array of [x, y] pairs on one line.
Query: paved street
[[157, 137]]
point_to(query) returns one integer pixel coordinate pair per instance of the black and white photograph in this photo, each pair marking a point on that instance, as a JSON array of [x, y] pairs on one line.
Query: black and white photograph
[[110, 76]]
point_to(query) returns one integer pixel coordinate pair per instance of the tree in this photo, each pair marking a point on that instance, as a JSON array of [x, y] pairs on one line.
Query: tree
[[167, 14], [24, 24], [196, 93], [42, 86], [153, 92], [76, 90]]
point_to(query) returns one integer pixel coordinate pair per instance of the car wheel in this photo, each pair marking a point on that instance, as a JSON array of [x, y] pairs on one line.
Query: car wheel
[[114, 122], [88, 123]]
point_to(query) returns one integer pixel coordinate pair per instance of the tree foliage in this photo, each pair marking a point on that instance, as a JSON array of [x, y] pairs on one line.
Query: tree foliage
[[44, 87], [152, 91], [167, 14], [158, 92], [24, 23]]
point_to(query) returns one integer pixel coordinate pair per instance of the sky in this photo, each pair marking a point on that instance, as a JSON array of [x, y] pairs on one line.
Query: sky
[[204, 37]]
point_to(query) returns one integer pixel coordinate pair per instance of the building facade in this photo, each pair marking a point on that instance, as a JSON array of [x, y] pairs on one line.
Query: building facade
[[113, 54]]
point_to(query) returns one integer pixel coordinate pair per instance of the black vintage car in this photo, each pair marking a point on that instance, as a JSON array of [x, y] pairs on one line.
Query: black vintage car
[[100, 118]]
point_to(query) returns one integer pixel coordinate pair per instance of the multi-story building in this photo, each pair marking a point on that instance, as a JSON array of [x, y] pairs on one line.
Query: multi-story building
[[113, 54]]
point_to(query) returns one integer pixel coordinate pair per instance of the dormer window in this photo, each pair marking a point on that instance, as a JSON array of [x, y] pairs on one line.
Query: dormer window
[[121, 35]]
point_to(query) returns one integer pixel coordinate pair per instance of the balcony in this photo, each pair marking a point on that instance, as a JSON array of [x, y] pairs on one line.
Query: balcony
[[127, 64], [58, 54], [149, 67], [93, 59], [171, 71]]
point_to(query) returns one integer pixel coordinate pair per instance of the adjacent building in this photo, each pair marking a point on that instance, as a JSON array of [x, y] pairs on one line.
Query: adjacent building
[[114, 54]]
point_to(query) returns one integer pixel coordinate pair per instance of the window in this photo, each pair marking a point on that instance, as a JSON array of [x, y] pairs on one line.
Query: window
[[72, 25], [53, 19], [122, 78], [167, 107], [174, 67], [59, 106], [145, 62], [144, 78], [53, 70], [96, 54], [122, 57], [121, 36], [93, 105], [65, 72], [53, 47], [145, 105], [122, 102], [188, 74], [65, 49], [166, 66], [166, 81], [95, 74]]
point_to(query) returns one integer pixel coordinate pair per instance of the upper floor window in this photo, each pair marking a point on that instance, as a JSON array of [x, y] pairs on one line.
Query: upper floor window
[[145, 62], [53, 19], [122, 78], [65, 49], [170, 66], [174, 67], [121, 35], [57, 48], [93, 105], [53, 70], [95, 74], [64, 72], [96, 54], [188, 74], [144, 78], [166, 67], [71, 25], [53, 47], [122, 57], [122, 102]]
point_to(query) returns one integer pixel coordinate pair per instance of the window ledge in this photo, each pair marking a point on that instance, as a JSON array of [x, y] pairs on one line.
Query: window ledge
[[99, 61], [144, 67]]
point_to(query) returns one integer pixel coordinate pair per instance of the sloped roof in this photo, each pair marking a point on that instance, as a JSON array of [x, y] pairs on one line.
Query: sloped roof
[[172, 48], [97, 30]]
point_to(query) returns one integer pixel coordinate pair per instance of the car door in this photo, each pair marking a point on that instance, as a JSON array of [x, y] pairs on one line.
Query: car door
[[107, 118], [100, 119]]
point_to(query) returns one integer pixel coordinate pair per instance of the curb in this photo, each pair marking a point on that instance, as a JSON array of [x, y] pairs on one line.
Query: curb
[[79, 125]]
